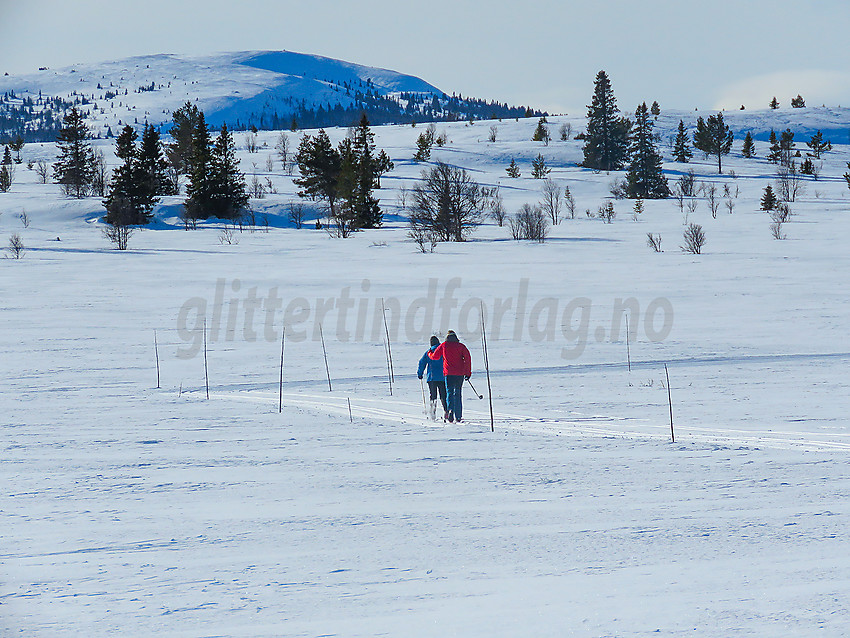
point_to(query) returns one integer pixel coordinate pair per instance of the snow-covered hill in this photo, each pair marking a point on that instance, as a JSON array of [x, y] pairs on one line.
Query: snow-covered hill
[[266, 89]]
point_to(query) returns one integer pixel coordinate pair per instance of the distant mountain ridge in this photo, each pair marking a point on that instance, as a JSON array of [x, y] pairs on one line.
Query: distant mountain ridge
[[265, 89]]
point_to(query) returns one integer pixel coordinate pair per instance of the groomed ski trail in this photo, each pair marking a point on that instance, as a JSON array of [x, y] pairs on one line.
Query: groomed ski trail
[[395, 410]]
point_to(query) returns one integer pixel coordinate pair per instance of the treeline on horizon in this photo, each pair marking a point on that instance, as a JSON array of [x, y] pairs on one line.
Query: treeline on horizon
[[408, 108], [40, 119]]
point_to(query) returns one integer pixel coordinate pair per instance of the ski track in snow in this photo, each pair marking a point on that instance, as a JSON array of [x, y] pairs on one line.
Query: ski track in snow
[[394, 410]]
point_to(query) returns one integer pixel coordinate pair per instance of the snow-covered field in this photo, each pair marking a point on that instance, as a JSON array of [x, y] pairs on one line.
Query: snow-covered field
[[129, 509]]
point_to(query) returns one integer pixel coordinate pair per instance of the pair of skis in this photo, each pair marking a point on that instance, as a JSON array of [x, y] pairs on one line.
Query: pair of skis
[[425, 400]]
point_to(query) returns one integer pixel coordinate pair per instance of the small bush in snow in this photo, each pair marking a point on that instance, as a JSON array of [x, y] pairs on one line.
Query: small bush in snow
[[694, 239], [606, 212], [654, 242], [529, 223], [16, 246]]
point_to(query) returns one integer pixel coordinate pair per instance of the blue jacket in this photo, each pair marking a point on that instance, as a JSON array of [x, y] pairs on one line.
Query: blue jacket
[[435, 368]]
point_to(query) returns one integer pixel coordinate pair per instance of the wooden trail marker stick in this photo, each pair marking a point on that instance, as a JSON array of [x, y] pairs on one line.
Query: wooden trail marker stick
[[206, 368], [389, 347], [156, 352], [325, 353], [280, 390], [389, 367], [670, 401], [487, 368]]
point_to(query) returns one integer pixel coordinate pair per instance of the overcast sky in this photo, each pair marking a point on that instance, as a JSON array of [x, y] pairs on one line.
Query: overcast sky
[[720, 53]]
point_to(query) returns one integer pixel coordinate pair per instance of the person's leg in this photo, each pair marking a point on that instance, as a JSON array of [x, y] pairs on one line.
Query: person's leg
[[432, 404], [441, 386], [454, 383]]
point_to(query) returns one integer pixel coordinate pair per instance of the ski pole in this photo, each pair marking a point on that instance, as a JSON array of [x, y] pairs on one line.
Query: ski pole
[[424, 402], [480, 396]]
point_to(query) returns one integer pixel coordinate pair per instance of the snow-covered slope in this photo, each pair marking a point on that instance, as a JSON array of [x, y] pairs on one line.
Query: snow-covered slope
[[130, 509], [226, 86], [832, 121]]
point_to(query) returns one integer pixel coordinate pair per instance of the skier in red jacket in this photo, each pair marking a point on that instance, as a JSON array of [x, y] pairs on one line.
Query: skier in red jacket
[[457, 366]]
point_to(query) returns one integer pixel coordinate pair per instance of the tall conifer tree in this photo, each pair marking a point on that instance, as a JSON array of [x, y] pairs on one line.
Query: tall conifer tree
[[786, 147], [181, 150], [682, 145], [714, 137], [199, 188], [645, 179], [139, 181], [153, 165], [319, 165], [607, 137], [367, 214], [121, 202], [749, 148], [74, 169], [775, 152], [818, 145], [228, 195]]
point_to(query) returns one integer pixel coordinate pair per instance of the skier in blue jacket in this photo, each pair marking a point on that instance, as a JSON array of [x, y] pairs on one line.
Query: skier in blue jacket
[[436, 380]]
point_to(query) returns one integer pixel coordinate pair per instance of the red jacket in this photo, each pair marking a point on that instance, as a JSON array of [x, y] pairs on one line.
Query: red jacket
[[456, 359]]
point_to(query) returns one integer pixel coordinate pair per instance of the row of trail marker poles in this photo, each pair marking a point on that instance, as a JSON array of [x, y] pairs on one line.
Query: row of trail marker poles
[[666, 374], [325, 353], [487, 367], [388, 348], [280, 389]]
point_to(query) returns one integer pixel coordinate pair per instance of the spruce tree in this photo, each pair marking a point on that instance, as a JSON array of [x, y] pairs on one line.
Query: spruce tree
[[769, 200], [319, 165], [749, 148], [228, 195], [513, 169], [198, 202], [541, 133], [181, 150], [153, 167], [539, 169], [17, 145], [714, 137], [7, 176], [645, 178], [367, 168], [74, 169], [423, 146], [122, 203], [786, 147], [607, 137], [774, 103], [7, 157], [655, 109], [818, 145], [774, 154], [682, 145], [346, 187]]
